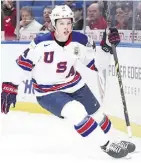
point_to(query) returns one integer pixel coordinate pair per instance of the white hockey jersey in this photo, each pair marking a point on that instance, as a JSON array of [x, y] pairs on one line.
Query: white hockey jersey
[[53, 67]]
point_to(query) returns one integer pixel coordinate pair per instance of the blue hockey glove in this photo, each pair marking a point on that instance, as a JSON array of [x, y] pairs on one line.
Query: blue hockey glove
[[8, 96], [113, 38]]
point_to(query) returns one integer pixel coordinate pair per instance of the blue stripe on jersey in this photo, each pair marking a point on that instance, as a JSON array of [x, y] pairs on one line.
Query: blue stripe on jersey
[[25, 64], [91, 63], [24, 67], [55, 87], [26, 60]]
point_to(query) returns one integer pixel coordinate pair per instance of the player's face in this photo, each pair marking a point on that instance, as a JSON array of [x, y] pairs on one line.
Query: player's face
[[64, 27]]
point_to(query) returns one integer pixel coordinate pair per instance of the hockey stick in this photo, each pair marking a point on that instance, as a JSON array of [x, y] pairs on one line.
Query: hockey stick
[[118, 73], [121, 91]]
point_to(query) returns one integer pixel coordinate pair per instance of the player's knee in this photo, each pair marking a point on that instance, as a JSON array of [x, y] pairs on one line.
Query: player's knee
[[74, 111], [98, 115]]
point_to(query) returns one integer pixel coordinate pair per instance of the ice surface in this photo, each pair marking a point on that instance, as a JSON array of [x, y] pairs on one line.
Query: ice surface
[[32, 138]]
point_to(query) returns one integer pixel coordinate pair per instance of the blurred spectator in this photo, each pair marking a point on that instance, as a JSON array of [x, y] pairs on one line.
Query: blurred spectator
[[47, 22], [69, 3], [123, 21], [95, 18], [9, 10], [103, 5], [128, 9], [28, 23], [2, 26], [138, 17], [139, 6], [78, 15], [2, 20]]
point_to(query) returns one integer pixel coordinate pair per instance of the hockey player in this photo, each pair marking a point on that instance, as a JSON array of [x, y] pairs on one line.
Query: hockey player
[[52, 58]]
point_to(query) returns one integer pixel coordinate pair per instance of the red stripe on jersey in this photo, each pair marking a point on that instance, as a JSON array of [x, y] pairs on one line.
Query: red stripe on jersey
[[56, 87], [24, 63], [92, 67], [59, 86]]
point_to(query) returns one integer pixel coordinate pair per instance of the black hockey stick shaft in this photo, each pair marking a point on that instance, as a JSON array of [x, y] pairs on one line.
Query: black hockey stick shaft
[[126, 115], [121, 90]]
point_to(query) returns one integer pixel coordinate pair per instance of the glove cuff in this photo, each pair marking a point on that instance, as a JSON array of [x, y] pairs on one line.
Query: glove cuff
[[9, 88]]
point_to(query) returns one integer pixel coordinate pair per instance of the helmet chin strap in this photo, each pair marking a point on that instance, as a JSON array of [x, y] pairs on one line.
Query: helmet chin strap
[[56, 31]]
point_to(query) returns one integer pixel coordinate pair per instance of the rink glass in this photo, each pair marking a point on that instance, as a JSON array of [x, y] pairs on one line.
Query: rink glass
[[125, 15]]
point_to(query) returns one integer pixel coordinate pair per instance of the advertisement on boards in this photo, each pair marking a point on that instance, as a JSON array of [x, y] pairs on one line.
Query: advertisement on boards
[[126, 36]]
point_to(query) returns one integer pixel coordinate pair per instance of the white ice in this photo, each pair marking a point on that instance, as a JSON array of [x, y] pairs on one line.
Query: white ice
[[40, 138]]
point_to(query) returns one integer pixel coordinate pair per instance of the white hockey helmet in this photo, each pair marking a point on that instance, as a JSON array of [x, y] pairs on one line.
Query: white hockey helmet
[[60, 12]]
